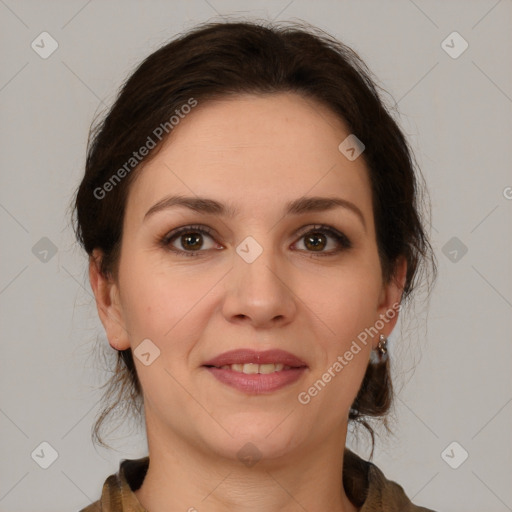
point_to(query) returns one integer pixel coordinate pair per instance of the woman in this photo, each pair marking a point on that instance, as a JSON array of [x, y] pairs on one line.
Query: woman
[[250, 211]]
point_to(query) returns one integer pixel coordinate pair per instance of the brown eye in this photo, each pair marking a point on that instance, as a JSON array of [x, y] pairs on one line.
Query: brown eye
[[324, 241], [189, 240], [315, 241]]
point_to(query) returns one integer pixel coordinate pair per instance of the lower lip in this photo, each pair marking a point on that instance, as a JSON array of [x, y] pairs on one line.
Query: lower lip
[[257, 383]]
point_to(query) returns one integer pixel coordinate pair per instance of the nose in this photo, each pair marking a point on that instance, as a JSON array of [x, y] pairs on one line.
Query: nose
[[259, 293]]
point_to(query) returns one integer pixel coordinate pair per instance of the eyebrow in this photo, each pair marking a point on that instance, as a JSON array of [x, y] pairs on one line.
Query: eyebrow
[[298, 206]]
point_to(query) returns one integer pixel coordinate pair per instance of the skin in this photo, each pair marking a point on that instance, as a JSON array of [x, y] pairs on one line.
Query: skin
[[255, 153]]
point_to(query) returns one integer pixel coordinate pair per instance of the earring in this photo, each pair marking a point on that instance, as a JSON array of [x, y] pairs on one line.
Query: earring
[[380, 354]]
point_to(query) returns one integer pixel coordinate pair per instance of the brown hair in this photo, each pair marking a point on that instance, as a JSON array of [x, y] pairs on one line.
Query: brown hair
[[218, 59]]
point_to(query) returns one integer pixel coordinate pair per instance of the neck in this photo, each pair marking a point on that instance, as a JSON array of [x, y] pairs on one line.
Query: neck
[[184, 477]]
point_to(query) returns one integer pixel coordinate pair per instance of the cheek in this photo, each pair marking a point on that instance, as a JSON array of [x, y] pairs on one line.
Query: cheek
[[345, 302], [157, 299], [347, 310]]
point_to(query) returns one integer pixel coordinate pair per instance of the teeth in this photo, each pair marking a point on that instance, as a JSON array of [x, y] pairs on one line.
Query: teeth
[[252, 368], [270, 368]]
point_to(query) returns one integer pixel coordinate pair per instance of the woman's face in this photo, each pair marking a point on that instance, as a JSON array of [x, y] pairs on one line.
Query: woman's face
[[253, 276]]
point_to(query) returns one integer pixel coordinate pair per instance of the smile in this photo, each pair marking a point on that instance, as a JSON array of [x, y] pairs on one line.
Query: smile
[[252, 368]]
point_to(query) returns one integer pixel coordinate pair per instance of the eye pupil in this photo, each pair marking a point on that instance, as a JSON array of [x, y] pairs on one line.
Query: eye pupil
[[312, 241], [185, 239]]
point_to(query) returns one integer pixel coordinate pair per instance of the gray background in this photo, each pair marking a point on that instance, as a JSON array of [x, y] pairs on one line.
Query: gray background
[[453, 372]]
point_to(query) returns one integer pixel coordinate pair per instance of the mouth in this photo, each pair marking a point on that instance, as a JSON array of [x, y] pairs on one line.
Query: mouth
[[253, 368], [256, 372]]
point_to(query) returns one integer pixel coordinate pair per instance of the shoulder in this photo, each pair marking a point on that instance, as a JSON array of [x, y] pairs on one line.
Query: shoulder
[[93, 507], [118, 490], [369, 489], [386, 492], [117, 494]]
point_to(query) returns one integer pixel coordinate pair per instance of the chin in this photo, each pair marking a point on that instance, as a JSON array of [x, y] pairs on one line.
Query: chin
[[257, 439]]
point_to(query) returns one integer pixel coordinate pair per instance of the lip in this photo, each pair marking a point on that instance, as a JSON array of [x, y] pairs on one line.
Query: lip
[[245, 356], [257, 383]]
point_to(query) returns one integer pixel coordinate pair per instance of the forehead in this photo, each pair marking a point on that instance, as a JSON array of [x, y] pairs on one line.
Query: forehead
[[254, 151]]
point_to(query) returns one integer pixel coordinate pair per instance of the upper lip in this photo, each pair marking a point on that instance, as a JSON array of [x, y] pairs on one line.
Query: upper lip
[[244, 356]]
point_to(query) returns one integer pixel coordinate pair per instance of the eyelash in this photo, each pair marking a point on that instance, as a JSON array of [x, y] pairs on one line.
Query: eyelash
[[340, 238]]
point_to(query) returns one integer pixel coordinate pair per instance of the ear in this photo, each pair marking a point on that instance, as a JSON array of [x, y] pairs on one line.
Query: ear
[[106, 293], [391, 294]]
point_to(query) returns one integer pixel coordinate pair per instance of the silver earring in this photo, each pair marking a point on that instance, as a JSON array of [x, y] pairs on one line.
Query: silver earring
[[380, 354]]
